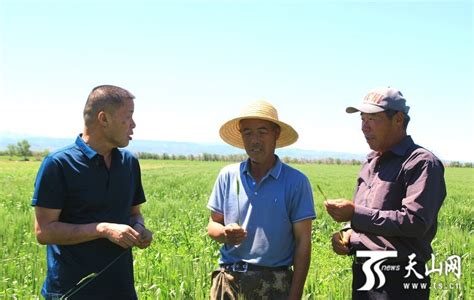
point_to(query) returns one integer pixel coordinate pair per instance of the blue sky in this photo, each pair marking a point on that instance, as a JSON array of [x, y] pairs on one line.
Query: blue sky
[[194, 64]]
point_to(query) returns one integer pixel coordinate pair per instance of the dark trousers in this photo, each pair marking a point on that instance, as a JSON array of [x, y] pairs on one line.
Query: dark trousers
[[396, 286]]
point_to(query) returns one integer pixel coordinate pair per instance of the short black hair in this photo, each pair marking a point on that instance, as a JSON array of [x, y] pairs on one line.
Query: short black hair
[[104, 98]]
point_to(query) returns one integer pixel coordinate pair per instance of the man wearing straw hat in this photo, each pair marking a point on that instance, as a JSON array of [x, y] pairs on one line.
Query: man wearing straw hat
[[261, 210], [394, 213]]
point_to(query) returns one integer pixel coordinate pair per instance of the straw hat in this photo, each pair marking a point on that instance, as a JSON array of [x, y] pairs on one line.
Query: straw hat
[[261, 110]]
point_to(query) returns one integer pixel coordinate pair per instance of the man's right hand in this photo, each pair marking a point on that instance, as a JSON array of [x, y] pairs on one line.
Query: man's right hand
[[234, 234], [341, 242], [120, 234]]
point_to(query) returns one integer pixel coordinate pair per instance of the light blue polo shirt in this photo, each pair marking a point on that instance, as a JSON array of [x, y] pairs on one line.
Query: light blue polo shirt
[[267, 211]]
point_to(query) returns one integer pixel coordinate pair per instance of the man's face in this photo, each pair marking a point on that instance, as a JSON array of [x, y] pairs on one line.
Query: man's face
[[259, 138], [380, 132], [120, 129]]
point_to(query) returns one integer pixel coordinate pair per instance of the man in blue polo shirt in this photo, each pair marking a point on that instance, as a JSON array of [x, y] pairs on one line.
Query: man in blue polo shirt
[[87, 204], [261, 210]]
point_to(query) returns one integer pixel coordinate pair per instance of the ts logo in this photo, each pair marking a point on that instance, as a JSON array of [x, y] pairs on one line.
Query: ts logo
[[377, 258]]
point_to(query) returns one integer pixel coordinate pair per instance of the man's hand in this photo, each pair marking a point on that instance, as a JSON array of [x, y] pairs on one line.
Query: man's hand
[[122, 235], [341, 242], [341, 210], [146, 236], [234, 234]]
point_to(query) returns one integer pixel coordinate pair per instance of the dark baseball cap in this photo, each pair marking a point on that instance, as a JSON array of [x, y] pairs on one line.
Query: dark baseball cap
[[381, 99]]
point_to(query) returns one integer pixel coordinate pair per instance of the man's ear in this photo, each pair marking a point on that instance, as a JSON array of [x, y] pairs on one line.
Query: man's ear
[[399, 117], [102, 118]]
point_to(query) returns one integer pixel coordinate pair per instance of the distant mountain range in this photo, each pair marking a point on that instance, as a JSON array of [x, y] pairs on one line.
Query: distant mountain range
[[177, 148]]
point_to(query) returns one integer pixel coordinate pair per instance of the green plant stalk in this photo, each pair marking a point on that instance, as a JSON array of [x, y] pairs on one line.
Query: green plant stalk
[[86, 280], [238, 202], [322, 193]]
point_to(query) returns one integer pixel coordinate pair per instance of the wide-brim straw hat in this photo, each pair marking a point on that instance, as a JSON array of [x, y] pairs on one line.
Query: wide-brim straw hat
[[261, 110]]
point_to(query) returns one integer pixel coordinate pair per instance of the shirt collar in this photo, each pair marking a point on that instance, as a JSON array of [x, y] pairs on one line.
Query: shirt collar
[[274, 171], [88, 151], [91, 153], [402, 148], [399, 149]]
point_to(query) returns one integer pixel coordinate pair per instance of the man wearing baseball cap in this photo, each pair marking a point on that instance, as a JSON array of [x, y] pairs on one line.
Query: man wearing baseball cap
[[399, 192], [261, 210]]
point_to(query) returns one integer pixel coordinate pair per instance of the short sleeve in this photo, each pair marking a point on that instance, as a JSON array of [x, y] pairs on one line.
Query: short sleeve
[[302, 204], [49, 185], [139, 195], [216, 200]]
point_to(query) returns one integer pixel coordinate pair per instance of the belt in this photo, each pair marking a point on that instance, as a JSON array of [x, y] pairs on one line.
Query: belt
[[244, 267]]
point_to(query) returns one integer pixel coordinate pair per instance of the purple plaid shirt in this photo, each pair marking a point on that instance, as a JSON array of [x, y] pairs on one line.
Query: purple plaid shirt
[[397, 200]]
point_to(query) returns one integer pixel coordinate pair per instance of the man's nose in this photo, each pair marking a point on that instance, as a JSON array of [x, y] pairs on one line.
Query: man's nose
[[255, 138]]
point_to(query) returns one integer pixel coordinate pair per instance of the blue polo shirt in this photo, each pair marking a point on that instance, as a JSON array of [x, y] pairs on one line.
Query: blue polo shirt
[[76, 180], [268, 211]]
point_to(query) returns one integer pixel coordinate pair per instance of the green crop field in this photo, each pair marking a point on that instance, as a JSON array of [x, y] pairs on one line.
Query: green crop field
[[179, 262]]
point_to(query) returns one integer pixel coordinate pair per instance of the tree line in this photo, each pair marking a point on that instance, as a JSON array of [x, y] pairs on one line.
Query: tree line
[[241, 157], [22, 149]]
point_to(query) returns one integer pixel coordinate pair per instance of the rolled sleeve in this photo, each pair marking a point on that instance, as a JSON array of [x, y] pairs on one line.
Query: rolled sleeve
[[362, 218]]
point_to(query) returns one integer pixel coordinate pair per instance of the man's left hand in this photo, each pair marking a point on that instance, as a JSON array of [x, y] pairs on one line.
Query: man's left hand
[[341, 210]]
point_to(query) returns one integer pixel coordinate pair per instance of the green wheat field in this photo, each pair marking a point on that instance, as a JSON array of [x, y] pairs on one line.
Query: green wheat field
[[178, 263]]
